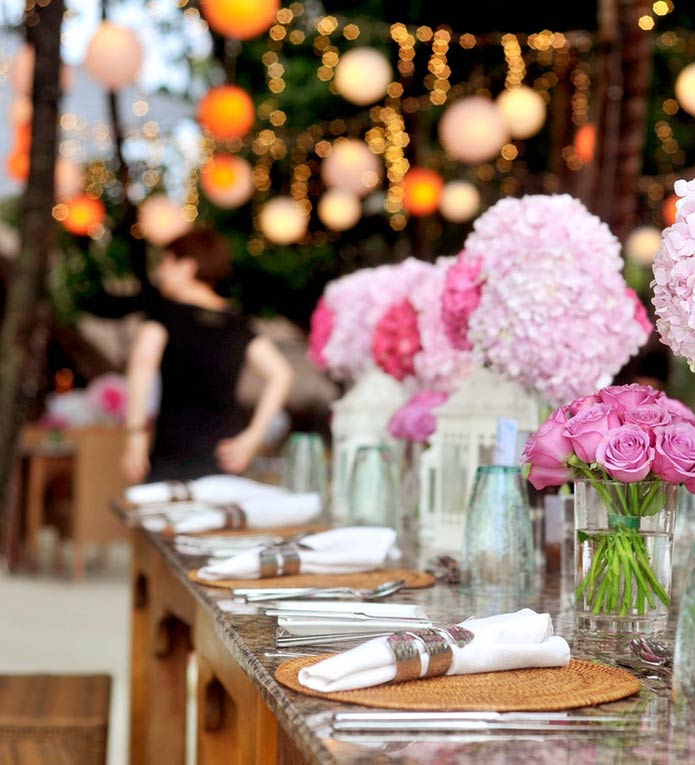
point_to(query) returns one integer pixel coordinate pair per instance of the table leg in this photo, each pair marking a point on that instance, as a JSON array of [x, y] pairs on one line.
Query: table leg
[[35, 499]]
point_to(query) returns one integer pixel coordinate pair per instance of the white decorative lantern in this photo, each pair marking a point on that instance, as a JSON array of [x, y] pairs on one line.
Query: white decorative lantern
[[360, 418], [283, 220], [460, 201], [351, 165], [22, 72], [69, 178], [227, 180], [523, 110], [685, 88], [160, 220], [643, 244], [465, 438], [362, 75], [114, 56], [473, 129], [339, 209]]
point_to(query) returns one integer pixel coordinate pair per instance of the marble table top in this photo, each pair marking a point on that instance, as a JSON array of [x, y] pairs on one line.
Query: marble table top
[[666, 733]]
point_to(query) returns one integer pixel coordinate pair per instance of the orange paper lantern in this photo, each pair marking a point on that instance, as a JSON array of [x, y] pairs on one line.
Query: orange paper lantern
[[83, 212], [669, 209], [585, 142], [22, 137], [227, 181], [17, 165], [227, 112], [422, 190], [242, 19]]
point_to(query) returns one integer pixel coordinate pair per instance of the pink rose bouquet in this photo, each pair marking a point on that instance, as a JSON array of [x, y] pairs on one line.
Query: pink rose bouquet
[[107, 396], [628, 442], [415, 420]]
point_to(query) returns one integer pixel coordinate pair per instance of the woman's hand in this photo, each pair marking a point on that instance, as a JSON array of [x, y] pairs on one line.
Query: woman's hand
[[135, 462], [234, 455]]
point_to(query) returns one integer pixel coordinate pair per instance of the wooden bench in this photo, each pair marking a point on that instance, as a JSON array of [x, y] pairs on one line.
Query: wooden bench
[[54, 719]]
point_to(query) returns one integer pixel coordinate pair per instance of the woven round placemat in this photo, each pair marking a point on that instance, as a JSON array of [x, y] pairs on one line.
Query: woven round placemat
[[283, 531], [367, 579], [579, 684]]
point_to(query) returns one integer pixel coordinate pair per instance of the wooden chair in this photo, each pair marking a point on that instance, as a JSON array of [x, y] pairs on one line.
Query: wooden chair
[[54, 719]]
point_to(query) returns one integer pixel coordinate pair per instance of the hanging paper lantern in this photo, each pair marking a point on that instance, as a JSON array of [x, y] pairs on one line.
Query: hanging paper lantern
[[643, 244], [22, 72], [473, 130], [227, 112], [422, 190], [69, 178], [82, 213], [226, 180], [460, 201], [668, 209], [160, 220], [339, 209], [17, 165], [362, 75], [22, 137], [523, 110], [585, 142], [21, 110], [352, 166], [114, 56], [685, 88], [283, 220], [242, 19]]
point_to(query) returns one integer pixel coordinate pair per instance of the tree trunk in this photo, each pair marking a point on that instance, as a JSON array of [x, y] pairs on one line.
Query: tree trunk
[[22, 336]]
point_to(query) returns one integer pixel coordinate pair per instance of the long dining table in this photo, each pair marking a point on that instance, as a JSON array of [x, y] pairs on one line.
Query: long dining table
[[245, 717]]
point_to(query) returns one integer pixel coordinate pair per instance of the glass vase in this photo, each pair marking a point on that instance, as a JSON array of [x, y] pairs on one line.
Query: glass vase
[[683, 683], [623, 556]]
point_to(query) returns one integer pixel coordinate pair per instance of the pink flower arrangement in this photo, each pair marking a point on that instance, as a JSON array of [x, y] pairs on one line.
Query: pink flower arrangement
[[396, 340], [554, 314], [462, 291], [415, 420], [322, 323], [628, 433], [674, 277], [107, 396]]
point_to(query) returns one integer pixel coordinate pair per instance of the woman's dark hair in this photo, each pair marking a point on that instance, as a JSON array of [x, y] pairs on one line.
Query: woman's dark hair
[[209, 250]]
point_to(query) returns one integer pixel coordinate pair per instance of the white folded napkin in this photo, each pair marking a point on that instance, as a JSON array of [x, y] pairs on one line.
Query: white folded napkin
[[338, 551], [213, 489], [507, 641], [282, 509]]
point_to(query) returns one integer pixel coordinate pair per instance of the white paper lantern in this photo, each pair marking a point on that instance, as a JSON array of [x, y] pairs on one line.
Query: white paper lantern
[[22, 72], [160, 220], [362, 75], [523, 110], [460, 201], [227, 180], [685, 88], [283, 220], [352, 166], [339, 209], [473, 129], [69, 178], [643, 244], [114, 56]]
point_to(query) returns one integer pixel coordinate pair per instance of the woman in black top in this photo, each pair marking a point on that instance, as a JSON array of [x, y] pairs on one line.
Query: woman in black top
[[199, 344]]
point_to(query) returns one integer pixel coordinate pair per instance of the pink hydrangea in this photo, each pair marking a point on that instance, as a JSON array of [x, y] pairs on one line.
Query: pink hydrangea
[[554, 314], [396, 340], [641, 316], [415, 420], [462, 291], [108, 396], [674, 278], [322, 323]]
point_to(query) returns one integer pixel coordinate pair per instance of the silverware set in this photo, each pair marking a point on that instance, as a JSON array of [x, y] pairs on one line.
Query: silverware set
[[374, 593]]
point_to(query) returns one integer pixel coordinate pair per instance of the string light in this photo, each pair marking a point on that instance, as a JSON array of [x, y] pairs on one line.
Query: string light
[[437, 81], [516, 70]]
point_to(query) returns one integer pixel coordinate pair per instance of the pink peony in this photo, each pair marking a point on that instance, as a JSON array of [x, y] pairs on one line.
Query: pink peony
[[641, 316], [462, 291], [647, 416], [547, 452], [674, 459], [396, 340], [587, 429], [626, 453], [624, 397], [108, 396], [322, 323], [415, 421]]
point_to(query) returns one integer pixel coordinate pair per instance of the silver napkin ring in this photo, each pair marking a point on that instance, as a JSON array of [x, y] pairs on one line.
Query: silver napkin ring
[[405, 651], [457, 634], [235, 517], [179, 491], [438, 649], [278, 562]]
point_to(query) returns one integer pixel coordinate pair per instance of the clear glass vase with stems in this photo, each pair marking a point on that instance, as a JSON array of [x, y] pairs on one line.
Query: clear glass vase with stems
[[623, 555]]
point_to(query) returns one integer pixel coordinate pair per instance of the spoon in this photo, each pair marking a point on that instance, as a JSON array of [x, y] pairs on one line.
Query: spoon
[[375, 593], [650, 651]]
